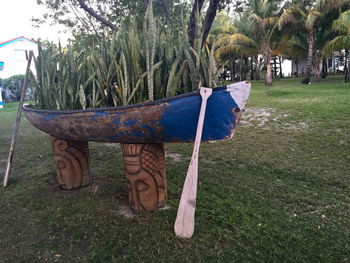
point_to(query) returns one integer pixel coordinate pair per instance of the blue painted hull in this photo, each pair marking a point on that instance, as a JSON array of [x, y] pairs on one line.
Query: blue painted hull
[[168, 120]]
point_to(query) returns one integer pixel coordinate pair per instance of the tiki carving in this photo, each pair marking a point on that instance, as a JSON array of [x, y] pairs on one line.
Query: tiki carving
[[72, 162], [145, 175]]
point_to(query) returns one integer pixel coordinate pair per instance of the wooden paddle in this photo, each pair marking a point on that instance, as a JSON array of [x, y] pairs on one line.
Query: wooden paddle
[[18, 119], [184, 224]]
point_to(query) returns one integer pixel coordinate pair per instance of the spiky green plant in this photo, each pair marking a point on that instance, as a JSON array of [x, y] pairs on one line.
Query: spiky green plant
[[128, 67], [62, 78]]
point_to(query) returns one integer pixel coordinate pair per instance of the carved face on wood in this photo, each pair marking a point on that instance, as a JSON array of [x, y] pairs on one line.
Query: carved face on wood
[[145, 174], [141, 185]]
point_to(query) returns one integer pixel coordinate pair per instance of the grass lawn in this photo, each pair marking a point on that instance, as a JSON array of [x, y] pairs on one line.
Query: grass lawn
[[279, 191]]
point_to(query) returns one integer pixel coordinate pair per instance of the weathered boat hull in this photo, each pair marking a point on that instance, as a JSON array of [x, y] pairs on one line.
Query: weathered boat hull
[[169, 120]]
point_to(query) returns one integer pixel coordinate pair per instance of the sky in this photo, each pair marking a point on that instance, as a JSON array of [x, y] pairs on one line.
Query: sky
[[15, 18]]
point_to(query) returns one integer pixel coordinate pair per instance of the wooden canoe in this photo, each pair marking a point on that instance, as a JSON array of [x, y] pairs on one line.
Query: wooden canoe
[[167, 120]]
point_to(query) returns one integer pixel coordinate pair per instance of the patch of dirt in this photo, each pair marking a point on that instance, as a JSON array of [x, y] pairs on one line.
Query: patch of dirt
[[174, 157], [262, 117], [124, 210], [111, 144], [301, 126], [259, 115]]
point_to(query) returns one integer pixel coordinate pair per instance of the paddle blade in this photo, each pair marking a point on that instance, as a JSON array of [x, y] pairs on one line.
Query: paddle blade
[[184, 224]]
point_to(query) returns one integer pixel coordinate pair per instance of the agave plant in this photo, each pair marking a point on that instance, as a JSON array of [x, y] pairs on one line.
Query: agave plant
[[62, 78], [131, 66]]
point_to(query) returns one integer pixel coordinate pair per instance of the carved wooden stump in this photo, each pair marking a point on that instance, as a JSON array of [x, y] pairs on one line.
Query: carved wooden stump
[[145, 175], [72, 162]]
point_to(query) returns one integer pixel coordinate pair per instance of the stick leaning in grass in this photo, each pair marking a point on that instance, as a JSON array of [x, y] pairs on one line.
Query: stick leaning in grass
[[18, 119], [184, 224]]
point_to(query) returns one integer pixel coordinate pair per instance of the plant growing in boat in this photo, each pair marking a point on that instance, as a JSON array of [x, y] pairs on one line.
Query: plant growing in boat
[[131, 66]]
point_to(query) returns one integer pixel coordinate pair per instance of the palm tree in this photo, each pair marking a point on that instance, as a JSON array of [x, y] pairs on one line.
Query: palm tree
[[342, 41], [323, 34], [232, 46], [258, 25], [242, 25], [308, 17], [293, 46], [262, 23], [222, 25]]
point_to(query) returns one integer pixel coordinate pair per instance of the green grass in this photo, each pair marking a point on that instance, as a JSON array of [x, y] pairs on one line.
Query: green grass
[[279, 191]]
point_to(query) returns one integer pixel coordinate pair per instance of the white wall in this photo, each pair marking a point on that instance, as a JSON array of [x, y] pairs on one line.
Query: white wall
[[14, 57], [287, 68]]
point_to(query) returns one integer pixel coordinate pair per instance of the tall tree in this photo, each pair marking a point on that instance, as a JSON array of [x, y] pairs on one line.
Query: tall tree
[[258, 23], [222, 25], [263, 22], [214, 6], [90, 17], [342, 41], [235, 46], [303, 16], [15, 84], [82, 22]]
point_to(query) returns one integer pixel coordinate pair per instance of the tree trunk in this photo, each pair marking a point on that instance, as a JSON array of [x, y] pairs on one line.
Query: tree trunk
[[91, 12], [317, 73], [346, 68], [297, 67], [245, 62], [209, 18], [348, 64], [310, 41], [165, 8], [266, 54], [251, 69], [191, 30], [241, 68], [318, 59], [257, 75], [268, 79], [233, 70], [274, 67], [333, 63], [280, 61], [324, 68]]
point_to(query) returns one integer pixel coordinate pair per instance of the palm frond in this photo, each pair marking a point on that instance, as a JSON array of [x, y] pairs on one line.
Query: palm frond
[[312, 19], [291, 16], [342, 24], [338, 43]]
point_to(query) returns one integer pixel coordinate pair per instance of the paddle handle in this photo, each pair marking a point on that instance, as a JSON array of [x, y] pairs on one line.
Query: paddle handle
[[18, 119], [184, 224]]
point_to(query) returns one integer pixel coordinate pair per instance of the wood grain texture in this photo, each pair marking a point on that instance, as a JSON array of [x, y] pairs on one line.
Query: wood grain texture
[[145, 175], [184, 224], [18, 119], [72, 163]]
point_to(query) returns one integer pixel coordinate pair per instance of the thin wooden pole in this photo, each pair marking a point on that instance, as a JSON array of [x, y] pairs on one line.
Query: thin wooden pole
[[18, 119]]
